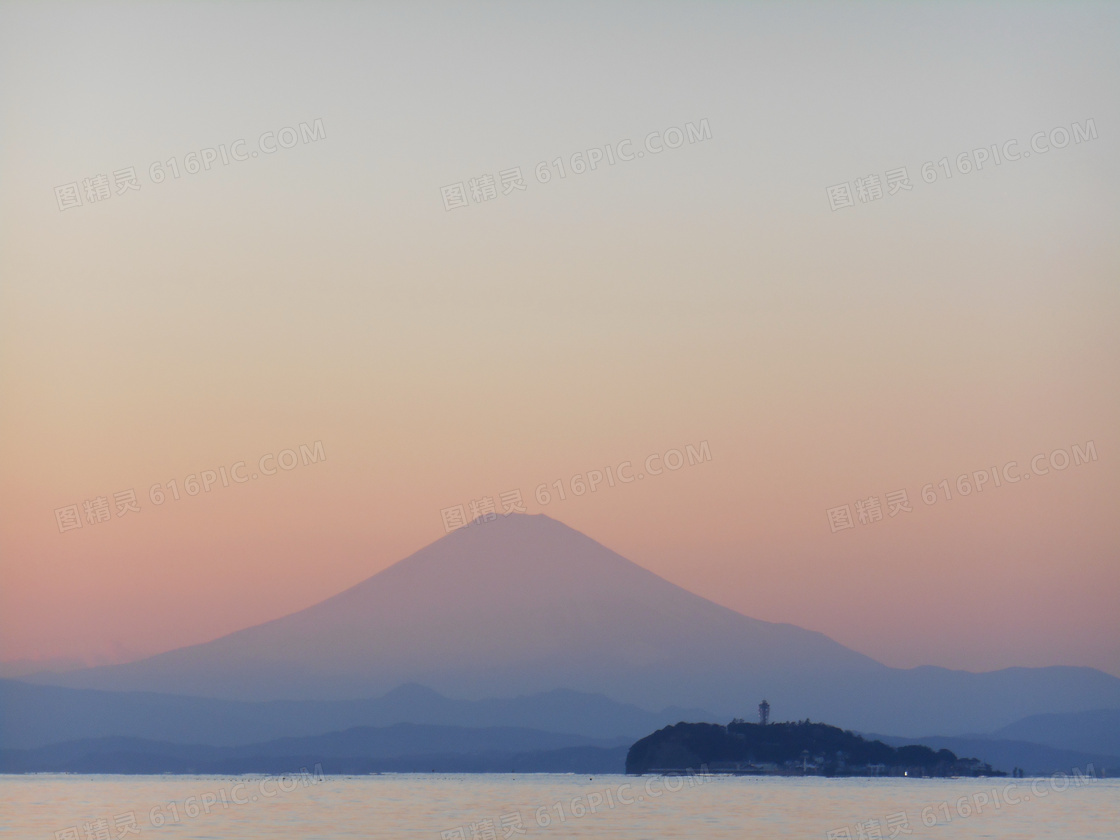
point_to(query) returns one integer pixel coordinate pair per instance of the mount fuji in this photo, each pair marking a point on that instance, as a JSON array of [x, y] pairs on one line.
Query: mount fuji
[[524, 604]]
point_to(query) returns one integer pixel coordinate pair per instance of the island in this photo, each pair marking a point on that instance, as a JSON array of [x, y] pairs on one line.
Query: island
[[799, 748]]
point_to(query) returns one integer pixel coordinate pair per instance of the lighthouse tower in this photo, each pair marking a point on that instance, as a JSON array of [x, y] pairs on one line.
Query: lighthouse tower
[[763, 713]]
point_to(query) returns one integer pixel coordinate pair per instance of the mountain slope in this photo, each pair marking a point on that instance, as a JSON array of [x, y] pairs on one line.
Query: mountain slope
[[525, 604]]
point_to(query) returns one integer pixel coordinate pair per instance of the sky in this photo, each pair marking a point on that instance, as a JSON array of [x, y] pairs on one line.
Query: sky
[[408, 276]]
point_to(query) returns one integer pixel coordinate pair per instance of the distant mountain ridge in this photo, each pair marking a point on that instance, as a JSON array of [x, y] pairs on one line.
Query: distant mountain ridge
[[404, 747], [33, 716], [1095, 730], [525, 604]]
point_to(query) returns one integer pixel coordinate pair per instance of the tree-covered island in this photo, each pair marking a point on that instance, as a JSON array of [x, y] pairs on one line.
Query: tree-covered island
[[790, 749]]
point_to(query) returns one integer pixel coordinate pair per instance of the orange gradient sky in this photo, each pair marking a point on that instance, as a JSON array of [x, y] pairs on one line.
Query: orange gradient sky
[[706, 293]]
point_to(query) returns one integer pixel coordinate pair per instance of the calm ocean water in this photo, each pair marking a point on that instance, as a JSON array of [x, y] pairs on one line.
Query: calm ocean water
[[65, 807]]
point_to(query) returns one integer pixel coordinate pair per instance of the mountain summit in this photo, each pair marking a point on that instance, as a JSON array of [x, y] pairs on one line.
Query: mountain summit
[[525, 604], [519, 604]]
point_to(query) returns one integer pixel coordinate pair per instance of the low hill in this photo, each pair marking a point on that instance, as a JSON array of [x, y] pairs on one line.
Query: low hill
[[800, 748], [399, 748], [1094, 731], [34, 715]]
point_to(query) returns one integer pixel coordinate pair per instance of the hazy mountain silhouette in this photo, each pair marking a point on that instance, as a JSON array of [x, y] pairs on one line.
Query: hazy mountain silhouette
[[1097, 730], [404, 747], [525, 604], [34, 716]]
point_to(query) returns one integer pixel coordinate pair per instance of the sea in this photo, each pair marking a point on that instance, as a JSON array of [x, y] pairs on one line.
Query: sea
[[312, 806]]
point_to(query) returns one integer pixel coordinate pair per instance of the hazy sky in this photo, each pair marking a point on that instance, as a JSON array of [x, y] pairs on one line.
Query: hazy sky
[[708, 292]]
